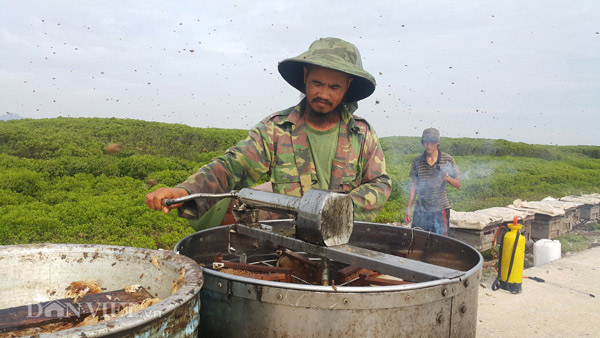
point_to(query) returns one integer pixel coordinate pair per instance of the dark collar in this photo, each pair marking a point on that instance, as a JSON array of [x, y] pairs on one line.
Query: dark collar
[[439, 159]]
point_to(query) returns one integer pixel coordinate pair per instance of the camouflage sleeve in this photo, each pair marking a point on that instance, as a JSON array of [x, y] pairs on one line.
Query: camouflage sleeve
[[376, 184], [241, 166]]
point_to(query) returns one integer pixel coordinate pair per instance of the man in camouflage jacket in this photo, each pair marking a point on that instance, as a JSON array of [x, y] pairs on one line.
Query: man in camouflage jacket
[[330, 74]]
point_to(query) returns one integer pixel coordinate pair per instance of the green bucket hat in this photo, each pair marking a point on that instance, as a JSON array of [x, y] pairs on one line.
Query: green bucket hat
[[335, 54]]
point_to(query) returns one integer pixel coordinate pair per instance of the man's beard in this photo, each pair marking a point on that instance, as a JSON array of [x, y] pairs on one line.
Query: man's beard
[[327, 109], [318, 114]]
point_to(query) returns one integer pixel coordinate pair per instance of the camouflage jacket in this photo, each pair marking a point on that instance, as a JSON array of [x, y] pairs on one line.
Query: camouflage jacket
[[278, 146]]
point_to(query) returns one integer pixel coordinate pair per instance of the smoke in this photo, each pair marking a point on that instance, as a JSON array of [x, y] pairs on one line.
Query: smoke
[[478, 170]]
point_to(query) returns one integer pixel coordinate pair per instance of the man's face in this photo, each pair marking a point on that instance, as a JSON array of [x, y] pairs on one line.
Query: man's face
[[430, 147], [325, 88]]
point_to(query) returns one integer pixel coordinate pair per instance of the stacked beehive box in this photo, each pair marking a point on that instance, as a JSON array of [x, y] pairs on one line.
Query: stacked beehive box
[[524, 217], [547, 218], [475, 229], [549, 221], [572, 209], [590, 208]]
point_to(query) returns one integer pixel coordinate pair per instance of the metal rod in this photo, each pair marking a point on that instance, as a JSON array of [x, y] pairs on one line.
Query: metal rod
[[404, 268], [255, 198], [350, 281], [265, 262], [269, 201], [168, 202], [300, 279]]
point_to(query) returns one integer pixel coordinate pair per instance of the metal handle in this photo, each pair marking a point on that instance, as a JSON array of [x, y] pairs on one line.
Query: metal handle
[[168, 202], [324, 217]]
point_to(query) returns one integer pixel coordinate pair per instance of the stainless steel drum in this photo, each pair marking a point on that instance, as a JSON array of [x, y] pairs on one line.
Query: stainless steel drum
[[36, 273], [441, 301]]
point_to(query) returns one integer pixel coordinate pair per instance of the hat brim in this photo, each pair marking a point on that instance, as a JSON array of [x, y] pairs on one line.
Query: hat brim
[[362, 86], [430, 140]]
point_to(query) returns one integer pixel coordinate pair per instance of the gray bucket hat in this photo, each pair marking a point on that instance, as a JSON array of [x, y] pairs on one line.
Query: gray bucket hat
[[335, 54], [430, 135]]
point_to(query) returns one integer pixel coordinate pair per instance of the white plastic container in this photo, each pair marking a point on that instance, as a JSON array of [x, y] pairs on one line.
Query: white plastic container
[[545, 250]]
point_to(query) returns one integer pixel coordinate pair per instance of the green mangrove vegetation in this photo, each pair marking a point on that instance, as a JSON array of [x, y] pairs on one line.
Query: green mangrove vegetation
[[83, 180]]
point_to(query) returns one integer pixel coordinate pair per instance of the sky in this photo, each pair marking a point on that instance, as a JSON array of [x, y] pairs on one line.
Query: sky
[[524, 71]]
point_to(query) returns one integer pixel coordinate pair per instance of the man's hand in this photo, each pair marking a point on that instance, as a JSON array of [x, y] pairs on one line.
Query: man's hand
[[407, 218], [455, 182], [155, 198]]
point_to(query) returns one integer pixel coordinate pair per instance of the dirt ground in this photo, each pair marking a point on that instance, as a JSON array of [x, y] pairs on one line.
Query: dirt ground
[[566, 304]]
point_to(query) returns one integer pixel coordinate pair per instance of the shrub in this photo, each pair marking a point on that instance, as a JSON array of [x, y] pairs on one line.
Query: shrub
[[58, 182]]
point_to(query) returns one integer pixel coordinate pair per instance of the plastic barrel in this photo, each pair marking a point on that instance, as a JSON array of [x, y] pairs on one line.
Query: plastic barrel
[[545, 250]]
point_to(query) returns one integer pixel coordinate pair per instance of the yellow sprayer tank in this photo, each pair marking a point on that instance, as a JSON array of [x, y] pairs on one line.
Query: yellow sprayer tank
[[512, 259]]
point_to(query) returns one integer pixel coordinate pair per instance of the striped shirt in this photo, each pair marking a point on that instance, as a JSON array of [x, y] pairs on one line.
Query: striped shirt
[[431, 187]]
